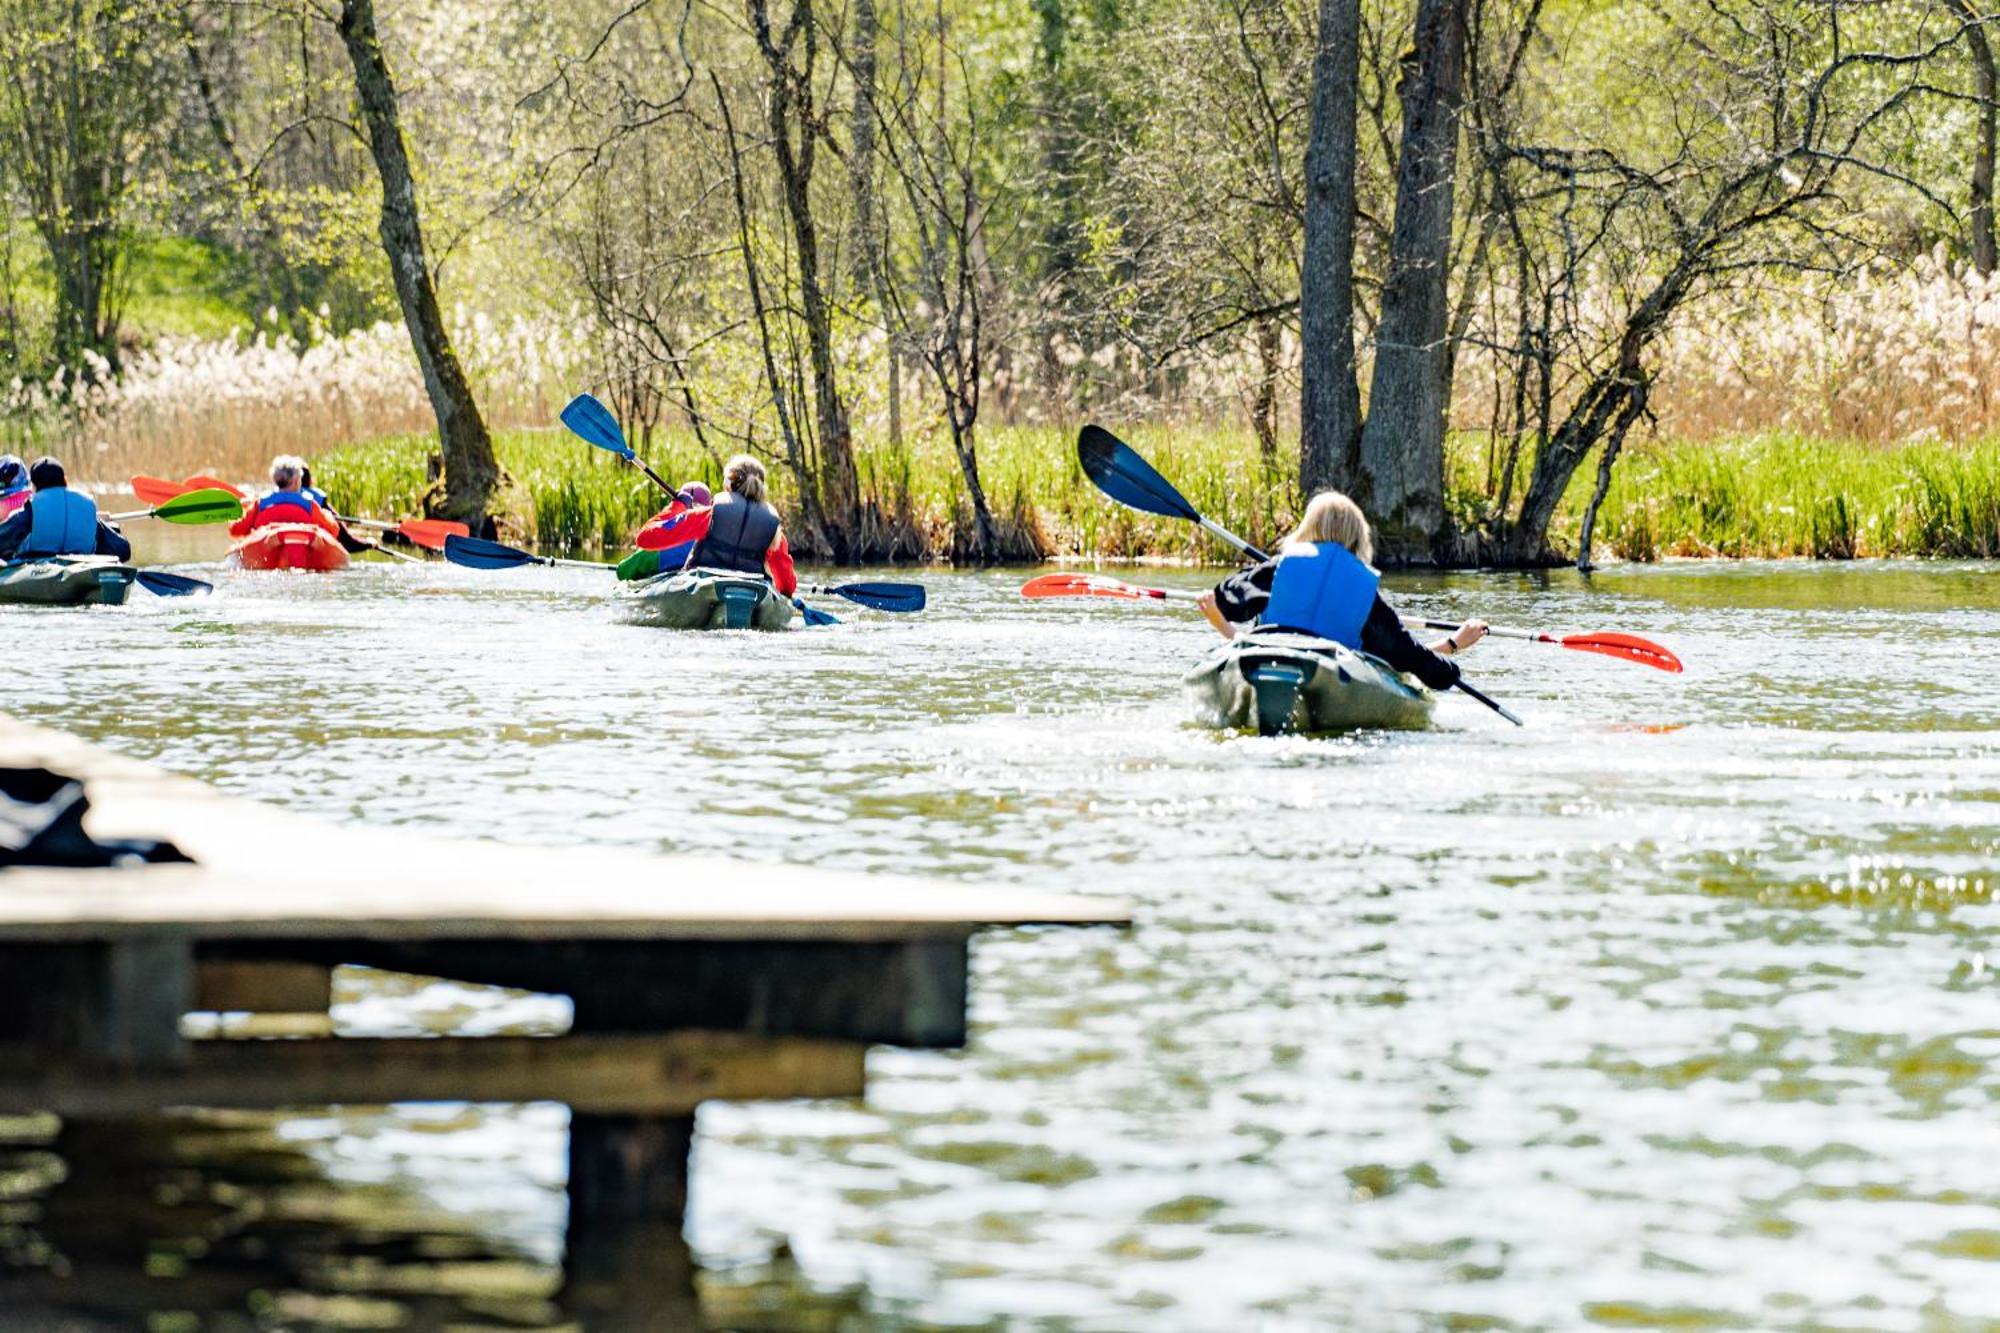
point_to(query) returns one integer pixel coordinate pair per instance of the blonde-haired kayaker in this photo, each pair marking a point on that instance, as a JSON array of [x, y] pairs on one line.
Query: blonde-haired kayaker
[[743, 533], [1321, 583]]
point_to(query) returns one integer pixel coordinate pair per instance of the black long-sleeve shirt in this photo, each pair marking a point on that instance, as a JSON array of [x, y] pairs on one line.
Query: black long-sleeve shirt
[[1242, 596], [15, 530]]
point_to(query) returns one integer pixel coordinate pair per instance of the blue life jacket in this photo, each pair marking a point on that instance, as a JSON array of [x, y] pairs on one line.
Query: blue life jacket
[[739, 533], [315, 494], [290, 499], [1324, 590], [61, 522]]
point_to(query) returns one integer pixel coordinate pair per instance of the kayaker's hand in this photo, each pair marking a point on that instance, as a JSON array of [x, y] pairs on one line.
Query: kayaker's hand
[[1214, 615], [1471, 632]]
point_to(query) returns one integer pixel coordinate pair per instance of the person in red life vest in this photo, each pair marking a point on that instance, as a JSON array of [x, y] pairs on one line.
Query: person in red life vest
[[14, 485], [58, 521], [742, 532], [1320, 583], [287, 504]]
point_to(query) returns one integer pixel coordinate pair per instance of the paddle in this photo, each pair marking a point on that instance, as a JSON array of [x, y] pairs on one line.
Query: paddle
[[592, 422], [192, 507], [897, 597], [477, 553], [429, 533], [171, 585], [1130, 480], [815, 616], [158, 490], [1611, 643]]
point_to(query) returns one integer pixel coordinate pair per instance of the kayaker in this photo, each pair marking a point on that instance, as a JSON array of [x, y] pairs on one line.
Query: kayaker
[[14, 485], [58, 521], [741, 532], [1320, 583], [286, 504], [348, 541]]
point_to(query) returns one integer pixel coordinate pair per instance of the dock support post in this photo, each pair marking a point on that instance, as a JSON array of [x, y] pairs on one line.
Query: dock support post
[[114, 1002], [626, 1263]]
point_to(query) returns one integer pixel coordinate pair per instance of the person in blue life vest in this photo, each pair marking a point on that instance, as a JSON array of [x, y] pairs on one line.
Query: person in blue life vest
[[1321, 583], [287, 504], [58, 521], [14, 485]]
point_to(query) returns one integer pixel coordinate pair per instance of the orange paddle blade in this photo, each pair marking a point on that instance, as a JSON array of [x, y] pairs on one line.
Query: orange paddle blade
[[1087, 585], [1628, 646], [156, 491], [430, 533], [205, 483]]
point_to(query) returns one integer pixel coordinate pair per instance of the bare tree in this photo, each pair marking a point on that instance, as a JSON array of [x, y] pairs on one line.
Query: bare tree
[[84, 98], [1330, 390], [1986, 93]]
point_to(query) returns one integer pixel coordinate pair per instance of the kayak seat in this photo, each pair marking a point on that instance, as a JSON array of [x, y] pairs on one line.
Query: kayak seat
[[1277, 685], [739, 604]]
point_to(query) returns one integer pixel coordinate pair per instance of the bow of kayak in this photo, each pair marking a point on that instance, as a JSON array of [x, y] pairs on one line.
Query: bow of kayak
[[705, 599], [66, 580], [290, 546], [1275, 682]]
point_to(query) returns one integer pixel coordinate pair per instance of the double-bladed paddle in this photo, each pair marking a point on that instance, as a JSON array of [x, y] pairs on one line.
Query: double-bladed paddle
[[1610, 643], [429, 533], [171, 585], [897, 597], [1120, 473], [190, 507], [478, 553], [475, 553]]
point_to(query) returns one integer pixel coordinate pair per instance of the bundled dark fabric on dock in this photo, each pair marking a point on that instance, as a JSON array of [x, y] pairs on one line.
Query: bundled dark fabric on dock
[[41, 824]]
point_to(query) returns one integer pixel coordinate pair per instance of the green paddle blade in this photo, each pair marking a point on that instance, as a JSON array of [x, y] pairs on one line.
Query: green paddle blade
[[209, 506]]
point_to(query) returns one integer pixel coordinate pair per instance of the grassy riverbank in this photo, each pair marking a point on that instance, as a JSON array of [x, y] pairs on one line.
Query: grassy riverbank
[[1771, 495]]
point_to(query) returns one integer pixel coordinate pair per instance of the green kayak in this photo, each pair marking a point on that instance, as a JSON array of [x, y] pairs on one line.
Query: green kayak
[[705, 599], [66, 580], [1275, 681]]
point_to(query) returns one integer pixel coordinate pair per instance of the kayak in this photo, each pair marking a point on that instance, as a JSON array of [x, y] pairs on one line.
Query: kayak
[[66, 580], [290, 546], [705, 599], [1277, 681]]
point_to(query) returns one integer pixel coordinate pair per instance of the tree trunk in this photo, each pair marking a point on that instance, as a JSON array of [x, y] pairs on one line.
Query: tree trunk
[[471, 472], [1984, 256], [1402, 445], [1330, 392], [1635, 405], [794, 134], [1264, 403], [870, 226]]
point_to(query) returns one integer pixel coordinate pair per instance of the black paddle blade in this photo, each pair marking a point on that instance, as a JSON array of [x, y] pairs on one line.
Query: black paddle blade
[[1127, 478], [883, 596], [171, 585], [474, 553]]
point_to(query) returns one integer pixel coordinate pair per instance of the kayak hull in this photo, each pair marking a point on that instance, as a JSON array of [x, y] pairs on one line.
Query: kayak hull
[[705, 599], [1278, 683], [290, 546], [66, 580]]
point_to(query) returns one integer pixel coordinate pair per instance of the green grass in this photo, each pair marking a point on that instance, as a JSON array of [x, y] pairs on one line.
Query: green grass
[[1771, 495], [181, 286]]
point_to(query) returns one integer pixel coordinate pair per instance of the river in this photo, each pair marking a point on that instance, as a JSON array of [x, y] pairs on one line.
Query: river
[[1676, 1007]]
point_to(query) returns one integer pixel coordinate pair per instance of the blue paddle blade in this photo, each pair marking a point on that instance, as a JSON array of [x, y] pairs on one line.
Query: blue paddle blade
[[883, 596], [171, 585], [474, 553], [813, 615], [1127, 478], [592, 421]]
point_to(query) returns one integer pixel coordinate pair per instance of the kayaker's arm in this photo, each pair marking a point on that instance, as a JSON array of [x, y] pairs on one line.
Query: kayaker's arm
[[1384, 636], [111, 542], [778, 563], [13, 532]]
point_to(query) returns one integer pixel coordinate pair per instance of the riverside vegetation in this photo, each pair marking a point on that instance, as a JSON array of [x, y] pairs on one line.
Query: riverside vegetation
[[1508, 271]]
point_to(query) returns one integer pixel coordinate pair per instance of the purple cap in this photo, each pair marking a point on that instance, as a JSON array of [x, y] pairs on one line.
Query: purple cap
[[697, 493]]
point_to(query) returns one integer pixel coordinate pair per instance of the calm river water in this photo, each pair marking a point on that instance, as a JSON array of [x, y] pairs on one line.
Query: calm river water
[[1677, 1008]]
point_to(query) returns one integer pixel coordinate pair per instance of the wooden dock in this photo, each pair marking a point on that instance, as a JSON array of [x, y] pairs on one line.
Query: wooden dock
[[691, 979]]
